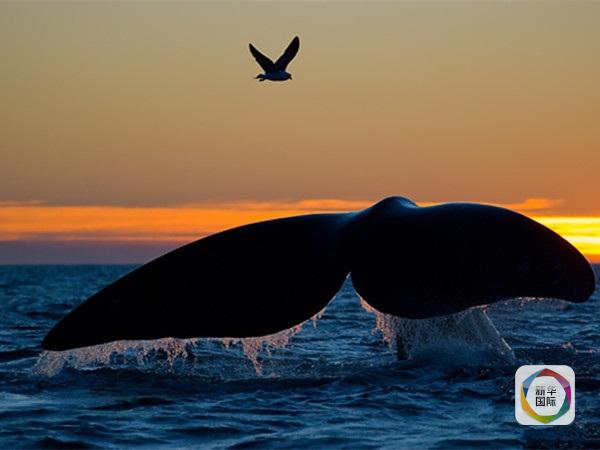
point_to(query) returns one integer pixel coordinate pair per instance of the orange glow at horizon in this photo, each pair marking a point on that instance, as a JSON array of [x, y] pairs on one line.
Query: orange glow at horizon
[[181, 224]]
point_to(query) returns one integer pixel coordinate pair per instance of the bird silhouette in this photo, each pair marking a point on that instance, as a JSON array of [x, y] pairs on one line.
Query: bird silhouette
[[275, 71]]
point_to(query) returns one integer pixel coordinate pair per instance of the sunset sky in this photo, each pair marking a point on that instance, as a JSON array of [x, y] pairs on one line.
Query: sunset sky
[[127, 129]]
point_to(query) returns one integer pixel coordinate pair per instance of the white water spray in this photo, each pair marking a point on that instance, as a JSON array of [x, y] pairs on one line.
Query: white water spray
[[465, 337], [141, 353]]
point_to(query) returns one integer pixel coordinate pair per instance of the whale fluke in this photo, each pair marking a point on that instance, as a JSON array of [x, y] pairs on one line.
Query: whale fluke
[[417, 263], [258, 279], [249, 281]]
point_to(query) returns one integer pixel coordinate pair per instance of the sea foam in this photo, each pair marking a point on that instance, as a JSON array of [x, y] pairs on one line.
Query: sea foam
[[467, 337]]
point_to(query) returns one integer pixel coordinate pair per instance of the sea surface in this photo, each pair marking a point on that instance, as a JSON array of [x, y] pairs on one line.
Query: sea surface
[[336, 382]]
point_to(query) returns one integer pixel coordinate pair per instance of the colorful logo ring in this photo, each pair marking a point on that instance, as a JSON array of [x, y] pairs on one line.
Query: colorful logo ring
[[564, 407]]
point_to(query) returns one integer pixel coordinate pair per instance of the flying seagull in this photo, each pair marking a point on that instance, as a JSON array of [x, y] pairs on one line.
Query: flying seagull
[[275, 71]]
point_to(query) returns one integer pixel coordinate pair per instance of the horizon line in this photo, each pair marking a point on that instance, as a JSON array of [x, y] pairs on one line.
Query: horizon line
[[39, 233]]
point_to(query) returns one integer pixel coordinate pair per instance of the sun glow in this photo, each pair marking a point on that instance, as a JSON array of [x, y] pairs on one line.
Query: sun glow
[[173, 226], [582, 232]]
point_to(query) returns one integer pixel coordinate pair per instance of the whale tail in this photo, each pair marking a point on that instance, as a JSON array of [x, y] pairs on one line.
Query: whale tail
[[418, 262], [251, 281], [262, 278]]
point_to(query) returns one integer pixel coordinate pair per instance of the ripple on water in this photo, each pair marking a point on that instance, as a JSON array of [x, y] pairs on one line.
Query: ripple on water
[[53, 443], [338, 385]]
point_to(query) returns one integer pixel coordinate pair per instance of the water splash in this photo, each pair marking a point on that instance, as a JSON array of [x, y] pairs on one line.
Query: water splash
[[546, 304], [166, 352], [314, 319], [386, 324], [253, 346], [465, 337], [117, 353]]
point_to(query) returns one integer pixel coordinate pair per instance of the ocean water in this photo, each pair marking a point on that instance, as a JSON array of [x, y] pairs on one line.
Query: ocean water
[[334, 382]]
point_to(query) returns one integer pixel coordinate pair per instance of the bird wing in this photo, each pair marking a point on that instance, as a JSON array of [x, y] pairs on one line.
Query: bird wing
[[264, 62], [288, 55]]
